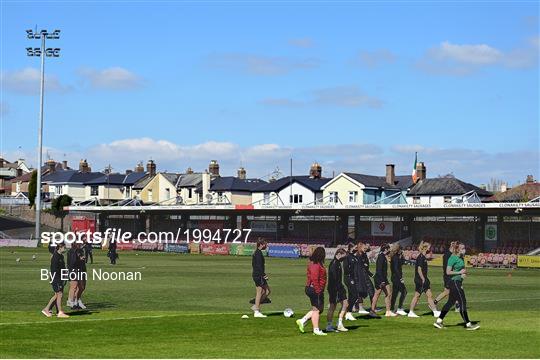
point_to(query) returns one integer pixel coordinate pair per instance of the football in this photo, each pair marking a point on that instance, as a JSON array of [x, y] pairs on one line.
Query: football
[[288, 312]]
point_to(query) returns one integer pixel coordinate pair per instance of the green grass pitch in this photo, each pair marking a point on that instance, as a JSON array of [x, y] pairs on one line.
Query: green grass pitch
[[191, 306]]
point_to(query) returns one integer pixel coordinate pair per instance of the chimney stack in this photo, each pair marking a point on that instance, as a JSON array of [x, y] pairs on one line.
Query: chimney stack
[[51, 165], [206, 182], [151, 167], [189, 170], [390, 174], [83, 166], [213, 168], [421, 171], [139, 168], [315, 172], [242, 173], [64, 165], [530, 179]]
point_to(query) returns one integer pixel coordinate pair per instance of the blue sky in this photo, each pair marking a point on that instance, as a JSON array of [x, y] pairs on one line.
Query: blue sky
[[352, 85]]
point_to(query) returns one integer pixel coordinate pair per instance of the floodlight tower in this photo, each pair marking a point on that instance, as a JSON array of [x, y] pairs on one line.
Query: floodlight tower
[[41, 52]]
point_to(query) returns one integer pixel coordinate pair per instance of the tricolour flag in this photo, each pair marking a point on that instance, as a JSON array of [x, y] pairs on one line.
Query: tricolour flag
[[414, 173]]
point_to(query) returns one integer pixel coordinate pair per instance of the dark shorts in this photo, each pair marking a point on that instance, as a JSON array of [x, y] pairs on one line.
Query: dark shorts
[[447, 280], [260, 281], [336, 295], [317, 300], [422, 288], [380, 283], [57, 286]]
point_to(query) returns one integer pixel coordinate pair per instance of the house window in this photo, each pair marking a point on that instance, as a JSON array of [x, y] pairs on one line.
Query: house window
[[58, 190], [353, 196], [94, 190], [266, 198], [447, 199], [220, 196], [295, 199], [190, 193], [416, 200], [150, 197], [167, 193], [333, 198]]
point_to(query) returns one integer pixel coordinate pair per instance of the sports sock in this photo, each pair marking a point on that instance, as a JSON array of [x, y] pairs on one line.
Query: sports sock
[[306, 318]]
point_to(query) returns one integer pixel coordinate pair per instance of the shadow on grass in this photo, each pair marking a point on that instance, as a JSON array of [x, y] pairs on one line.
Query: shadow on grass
[[82, 312]]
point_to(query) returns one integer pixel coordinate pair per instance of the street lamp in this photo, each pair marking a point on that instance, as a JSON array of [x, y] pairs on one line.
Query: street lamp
[[41, 52]]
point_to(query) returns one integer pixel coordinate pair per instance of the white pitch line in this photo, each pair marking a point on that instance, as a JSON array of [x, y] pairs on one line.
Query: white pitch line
[[116, 318]]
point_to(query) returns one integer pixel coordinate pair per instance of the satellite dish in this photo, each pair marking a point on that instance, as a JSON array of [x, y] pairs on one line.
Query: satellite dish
[[179, 199], [209, 197]]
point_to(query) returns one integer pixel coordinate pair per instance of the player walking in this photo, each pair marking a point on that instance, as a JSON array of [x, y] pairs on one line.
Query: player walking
[[336, 291], [57, 265], [446, 279], [259, 278], [381, 282], [457, 272], [350, 265], [421, 281], [365, 276], [398, 285], [316, 281]]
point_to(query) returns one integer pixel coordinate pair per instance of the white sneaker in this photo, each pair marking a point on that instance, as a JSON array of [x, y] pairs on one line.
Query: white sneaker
[[342, 328], [258, 314], [438, 324], [472, 327], [349, 316], [411, 314], [390, 314], [401, 312], [319, 332], [362, 311], [81, 304], [70, 303], [436, 313]]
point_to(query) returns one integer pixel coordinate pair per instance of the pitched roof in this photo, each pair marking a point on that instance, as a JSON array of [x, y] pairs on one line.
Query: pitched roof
[[523, 192], [134, 177], [141, 183], [171, 177], [231, 183], [445, 186], [189, 180], [71, 176], [313, 184], [402, 182], [109, 179]]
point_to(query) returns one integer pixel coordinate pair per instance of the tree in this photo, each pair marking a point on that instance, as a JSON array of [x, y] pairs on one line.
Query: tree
[[32, 188], [57, 207]]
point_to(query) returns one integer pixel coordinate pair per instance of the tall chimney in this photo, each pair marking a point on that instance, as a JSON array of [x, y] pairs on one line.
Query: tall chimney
[[421, 171], [315, 172], [83, 166], [242, 173], [51, 165], [390, 174], [530, 179], [151, 167], [213, 168], [189, 170], [64, 165], [139, 168]]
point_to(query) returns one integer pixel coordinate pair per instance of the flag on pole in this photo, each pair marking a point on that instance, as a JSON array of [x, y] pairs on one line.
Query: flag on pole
[[414, 173]]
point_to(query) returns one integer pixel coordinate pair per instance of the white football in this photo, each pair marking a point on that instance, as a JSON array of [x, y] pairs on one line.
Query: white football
[[288, 312]]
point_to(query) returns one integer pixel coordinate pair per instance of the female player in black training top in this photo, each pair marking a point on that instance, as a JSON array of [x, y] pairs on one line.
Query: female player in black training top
[[381, 282], [365, 276], [57, 265], [457, 272], [336, 292], [259, 278], [350, 264], [398, 285], [421, 281]]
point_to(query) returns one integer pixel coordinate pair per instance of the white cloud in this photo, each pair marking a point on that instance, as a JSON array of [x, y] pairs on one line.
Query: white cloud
[[472, 165], [339, 96], [260, 65], [113, 78], [465, 59], [27, 82]]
